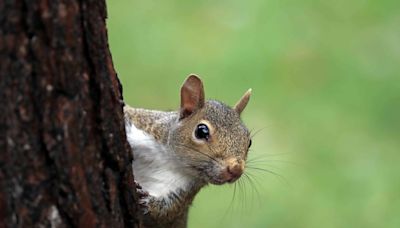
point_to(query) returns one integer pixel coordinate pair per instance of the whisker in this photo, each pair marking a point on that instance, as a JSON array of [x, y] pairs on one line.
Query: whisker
[[261, 159], [253, 185], [247, 179], [280, 177], [195, 150], [264, 165], [211, 149], [263, 155], [256, 181], [243, 192], [252, 134], [231, 204]]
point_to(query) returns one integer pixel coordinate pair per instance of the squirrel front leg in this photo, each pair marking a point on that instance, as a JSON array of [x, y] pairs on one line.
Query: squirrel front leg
[[165, 208], [166, 211]]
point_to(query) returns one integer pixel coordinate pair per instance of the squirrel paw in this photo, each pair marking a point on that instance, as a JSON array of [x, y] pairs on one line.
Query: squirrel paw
[[144, 198], [141, 193]]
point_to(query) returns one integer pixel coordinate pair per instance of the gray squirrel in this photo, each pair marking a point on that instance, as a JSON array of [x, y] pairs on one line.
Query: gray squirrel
[[177, 153]]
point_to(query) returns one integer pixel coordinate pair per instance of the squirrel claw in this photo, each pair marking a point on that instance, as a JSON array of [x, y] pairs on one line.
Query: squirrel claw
[[143, 204], [143, 198], [139, 190], [137, 184]]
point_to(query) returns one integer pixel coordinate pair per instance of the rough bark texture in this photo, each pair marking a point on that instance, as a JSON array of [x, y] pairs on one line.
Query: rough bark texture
[[64, 158]]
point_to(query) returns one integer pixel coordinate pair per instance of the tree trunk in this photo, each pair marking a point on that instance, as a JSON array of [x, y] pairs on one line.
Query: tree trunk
[[64, 158]]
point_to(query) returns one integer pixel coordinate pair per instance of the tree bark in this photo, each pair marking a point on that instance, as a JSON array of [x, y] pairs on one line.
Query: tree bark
[[64, 158]]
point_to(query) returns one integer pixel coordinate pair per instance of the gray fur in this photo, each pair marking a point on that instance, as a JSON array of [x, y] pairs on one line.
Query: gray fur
[[192, 163]]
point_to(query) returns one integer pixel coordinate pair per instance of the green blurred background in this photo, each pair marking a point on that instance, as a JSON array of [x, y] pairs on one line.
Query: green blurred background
[[326, 99]]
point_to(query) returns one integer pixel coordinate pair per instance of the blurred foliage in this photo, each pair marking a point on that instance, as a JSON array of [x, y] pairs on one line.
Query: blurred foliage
[[326, 100]]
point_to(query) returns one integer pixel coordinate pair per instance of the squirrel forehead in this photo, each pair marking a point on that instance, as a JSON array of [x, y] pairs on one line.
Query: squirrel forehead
[[222, 116]]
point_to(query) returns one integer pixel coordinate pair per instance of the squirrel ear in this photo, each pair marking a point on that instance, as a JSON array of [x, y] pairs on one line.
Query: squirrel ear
[[192, 96], [241, 104]]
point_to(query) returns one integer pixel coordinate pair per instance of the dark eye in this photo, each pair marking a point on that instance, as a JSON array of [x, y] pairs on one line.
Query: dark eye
[[250, 143], [202, 132]]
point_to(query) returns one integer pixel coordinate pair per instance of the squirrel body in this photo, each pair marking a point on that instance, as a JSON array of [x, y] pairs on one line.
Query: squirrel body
[[155, 166], [177, 153]]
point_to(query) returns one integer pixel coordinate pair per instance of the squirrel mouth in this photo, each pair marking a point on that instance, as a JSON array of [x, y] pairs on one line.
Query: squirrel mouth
[[217, 181], [221, 182], [220, 175], [223, 179], [224, 175], [212, 178]]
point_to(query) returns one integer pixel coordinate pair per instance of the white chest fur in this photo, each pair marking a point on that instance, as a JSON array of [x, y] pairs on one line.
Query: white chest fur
[[154, 167]]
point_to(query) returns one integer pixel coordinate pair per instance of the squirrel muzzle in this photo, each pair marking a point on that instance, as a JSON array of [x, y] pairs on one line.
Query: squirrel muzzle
[[232, 171]]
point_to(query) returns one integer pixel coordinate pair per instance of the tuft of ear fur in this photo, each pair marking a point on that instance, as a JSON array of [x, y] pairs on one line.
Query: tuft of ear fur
[[192, 95], [241, 104]]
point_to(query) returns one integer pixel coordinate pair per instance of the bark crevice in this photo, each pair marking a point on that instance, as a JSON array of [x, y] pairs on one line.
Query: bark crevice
[[64, 158]]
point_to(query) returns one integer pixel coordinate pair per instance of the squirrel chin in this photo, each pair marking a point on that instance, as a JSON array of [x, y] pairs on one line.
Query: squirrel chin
[[221, 182]]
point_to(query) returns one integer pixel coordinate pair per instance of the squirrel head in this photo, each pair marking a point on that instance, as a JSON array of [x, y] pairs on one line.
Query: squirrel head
[[209, 138]]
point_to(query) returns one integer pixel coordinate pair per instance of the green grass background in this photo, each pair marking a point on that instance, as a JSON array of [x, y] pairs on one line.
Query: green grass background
[[326, 99]]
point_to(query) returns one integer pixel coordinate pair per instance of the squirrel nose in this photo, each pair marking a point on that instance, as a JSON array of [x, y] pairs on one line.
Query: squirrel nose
[[233, 171]]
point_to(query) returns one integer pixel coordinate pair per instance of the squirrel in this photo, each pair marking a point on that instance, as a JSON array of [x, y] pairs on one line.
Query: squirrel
[[177, 153]]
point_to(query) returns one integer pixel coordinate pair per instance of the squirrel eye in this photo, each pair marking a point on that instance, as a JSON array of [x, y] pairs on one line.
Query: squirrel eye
[[202, 132], [250, 143]]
